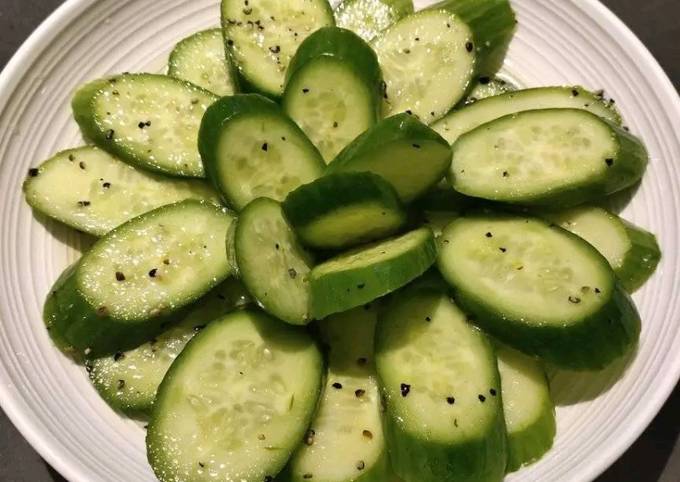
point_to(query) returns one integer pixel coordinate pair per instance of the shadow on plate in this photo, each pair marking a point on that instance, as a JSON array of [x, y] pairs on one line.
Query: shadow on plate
[[72, 238]]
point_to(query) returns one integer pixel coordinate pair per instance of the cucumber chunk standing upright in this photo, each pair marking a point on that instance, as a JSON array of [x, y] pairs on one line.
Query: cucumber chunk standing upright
[[263, 35], [140, 278], [444, 417], [150, 121], [202, 60], [252, 149], [540, 289], [333, 89], [92, 191], [236, 402], [550, 157], [367, 18]]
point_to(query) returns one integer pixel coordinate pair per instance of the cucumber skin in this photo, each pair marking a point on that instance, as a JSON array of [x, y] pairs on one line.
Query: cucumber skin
[[82, 107], [522, 445], [641, 260]]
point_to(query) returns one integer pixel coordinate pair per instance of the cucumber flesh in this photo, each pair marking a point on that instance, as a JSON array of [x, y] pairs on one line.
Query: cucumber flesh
[[489, 87], [427, 61], [150, 121], [367, 18], [539, 289], [444, 418], [464, 120], [229, 409], [528, 408], [94, 192], [201, 60], [128, 381], [555, 157]]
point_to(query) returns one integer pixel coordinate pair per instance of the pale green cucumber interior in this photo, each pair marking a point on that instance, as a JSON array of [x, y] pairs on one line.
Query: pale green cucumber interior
[[525, 269], [367, 18], [439, 220], [264, 156], [331, 104], [156, 263], [488, 87], [426, 65], [532, 153]]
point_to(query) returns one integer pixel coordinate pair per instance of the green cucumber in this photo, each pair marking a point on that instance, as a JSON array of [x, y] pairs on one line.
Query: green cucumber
[[333, 89], [140, 278], [488, 87], [528, 408], [272, 264], [263, 35], [405, 152], [344, 209], [633, 252], [92, 191], [236, 402], [444, 415], [439, 207], [428, 61], [549, 157], [252, 149], [367, 18], [345, 441], [201, 60], [464, 120], [128, 381], [540, 289], [363, 274], [150, 121]]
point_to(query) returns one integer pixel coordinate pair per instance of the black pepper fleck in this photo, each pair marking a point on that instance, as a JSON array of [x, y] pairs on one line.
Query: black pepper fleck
[[574, 92], [292, 273], [109, 134], [361, 286], [489, 235], [450, 400], [33, 172], [359, 392], [71, 157], [405, 389], [427, 318], [337, 385], [309, 437], [361, 465], [120, 276], [481, 397], [492, 391], [503, 250], [153, 272], [305, 90], [81, 164], [367, 434], [106, 185], [121, 384], [118, 356], [469, 46], [609, 162], [265, 147], [574, 299], [417, 146]]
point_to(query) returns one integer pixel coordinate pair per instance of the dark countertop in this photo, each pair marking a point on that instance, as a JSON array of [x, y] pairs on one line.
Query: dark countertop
[[656, 454]]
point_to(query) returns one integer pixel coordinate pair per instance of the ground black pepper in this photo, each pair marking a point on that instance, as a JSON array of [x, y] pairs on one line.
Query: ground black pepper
[[109, 134], [450, 400], [367, 434], [292, 273], [481, 397], [361, 465], [359, 392], [153, 272], [469, 46], [33, 172], [120, 276], [81, 164], [492, 391], [337, 385], [609, 162], [405, 389], [574, 299], [265, 147]]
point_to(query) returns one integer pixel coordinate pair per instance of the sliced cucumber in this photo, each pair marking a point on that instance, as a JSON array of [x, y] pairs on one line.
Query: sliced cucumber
[[464, 120], [333, 89], [528, 408], [367, 18], [406, 153], [488, 87], [128, 381], [94, 192], [272, 264], [427, 61], [201, 60], [140, 277], [359, 276], [550, 157], [444, 418], [236, 402], [148, 120], [344, 209], [633, 252], [539, 289], [345, 440], [263, 35], [252, 149], [439, 207]]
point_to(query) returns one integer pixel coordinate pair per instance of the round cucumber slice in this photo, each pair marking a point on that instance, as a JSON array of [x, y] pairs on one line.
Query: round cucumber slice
[[367, 18]]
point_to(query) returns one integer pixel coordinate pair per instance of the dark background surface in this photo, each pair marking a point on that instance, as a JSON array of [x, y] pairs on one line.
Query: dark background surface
[[654, 457]]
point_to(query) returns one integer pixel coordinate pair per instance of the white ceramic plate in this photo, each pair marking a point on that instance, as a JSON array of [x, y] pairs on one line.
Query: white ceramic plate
[[559, 41]]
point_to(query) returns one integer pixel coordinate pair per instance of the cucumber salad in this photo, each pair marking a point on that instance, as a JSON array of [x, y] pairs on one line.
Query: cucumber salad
[[339, 245]]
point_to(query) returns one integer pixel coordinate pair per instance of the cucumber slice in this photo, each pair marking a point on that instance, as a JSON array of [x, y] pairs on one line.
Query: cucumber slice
[[464, 120], [528, 408], [128, 381], [344, 209], [150, 121], [273, 265], [345, 441], [251, 149], [493, 23], [361, 275], [551, 157], [201, 60], [263, 35], [633, 252], [444, 417], [94, 192], [488, 87], [139, 278], [367, 18], [540, 289], [405, 152], [333, 89], [439, 207], [236, 402], [427, 61]]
